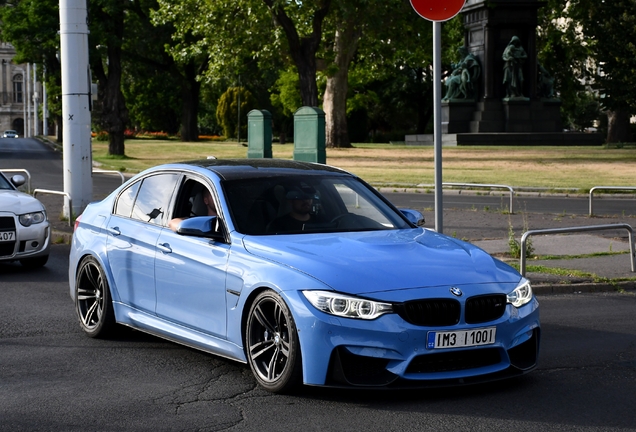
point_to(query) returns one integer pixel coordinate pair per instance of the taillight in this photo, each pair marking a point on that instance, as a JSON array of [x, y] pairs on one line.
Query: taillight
[[77, 221]]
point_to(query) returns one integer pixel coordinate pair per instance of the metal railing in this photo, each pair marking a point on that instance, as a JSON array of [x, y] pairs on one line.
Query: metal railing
[[522, 259], [491, 186], [70, 202], [625, 188], [20, 170], [101, 171]]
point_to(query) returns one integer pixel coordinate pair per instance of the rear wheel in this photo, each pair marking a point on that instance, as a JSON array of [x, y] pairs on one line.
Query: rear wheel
[[92, 299], [273, 349]]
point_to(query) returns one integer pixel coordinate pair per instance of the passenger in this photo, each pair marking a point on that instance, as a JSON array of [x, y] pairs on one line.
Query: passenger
[[209, 204]]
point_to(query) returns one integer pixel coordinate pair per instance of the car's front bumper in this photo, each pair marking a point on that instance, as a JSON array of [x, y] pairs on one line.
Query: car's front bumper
[[30, 242], [389, 352]]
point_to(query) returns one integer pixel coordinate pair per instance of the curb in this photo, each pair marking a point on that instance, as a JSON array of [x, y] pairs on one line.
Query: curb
[[587, 287]]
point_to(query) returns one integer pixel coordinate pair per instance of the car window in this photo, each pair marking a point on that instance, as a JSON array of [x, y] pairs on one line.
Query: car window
[[154, 197], [359, 204], [332, 204], [125, 201]]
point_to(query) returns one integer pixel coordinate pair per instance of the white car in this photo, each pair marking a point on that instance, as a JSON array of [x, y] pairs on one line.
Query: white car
[[25, 232], [10, 134]]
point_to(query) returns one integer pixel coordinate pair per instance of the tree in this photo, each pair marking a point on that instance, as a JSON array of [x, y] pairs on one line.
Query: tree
[[32, 26], [589, 43], [227, 112], [106, 24]]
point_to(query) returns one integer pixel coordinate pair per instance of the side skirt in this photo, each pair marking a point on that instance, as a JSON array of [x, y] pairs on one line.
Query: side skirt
[[161, 328]]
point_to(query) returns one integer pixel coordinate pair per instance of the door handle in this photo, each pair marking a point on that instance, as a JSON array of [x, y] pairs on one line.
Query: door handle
[[164, 247], [114, 231]]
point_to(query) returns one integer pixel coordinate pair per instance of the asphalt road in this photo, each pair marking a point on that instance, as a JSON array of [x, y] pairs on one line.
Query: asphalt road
[[53, 378]]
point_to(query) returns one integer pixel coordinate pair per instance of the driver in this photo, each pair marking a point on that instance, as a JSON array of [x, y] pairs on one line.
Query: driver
[[210, 207], [301, 199]]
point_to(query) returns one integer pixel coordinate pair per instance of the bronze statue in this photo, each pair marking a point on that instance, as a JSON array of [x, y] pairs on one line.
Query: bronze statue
[[463, 81], [545, 87], [514, 56]]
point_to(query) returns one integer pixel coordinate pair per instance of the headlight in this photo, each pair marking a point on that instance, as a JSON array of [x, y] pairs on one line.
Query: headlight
[[32, 218], [347, 306], [521, 295]]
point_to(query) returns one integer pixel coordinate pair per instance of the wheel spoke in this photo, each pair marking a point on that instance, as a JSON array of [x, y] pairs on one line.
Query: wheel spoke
[[271, 367], [91, 278], [260, 316], [84, 294], [88, 317], [262, 347]]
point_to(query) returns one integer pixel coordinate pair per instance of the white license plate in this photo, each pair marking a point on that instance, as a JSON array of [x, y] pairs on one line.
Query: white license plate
[[461, 338], [7, 236]]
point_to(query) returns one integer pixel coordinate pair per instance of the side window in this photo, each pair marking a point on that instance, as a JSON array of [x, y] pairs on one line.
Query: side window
[[126, 199], [154, 197]]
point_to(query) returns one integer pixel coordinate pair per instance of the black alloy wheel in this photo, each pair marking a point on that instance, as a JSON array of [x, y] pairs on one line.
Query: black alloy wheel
[[92, 299], [273, 349]]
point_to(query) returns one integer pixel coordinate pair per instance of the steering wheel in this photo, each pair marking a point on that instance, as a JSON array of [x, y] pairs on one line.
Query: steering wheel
[[339, 217]]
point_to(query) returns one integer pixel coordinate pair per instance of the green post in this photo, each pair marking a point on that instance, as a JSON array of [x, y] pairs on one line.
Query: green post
[[259, 134], [309, 135]]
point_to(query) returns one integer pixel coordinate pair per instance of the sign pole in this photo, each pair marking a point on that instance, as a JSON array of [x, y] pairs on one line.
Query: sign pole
[[437, 11], [437, 119]]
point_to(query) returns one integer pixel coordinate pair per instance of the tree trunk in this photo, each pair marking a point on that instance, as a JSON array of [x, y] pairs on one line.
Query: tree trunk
[[335, 99], [303, 50], [114, 114], [618, 129], [58, 127], [190, 90]]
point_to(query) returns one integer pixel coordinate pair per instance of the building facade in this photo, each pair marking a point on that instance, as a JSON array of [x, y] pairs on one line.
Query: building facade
[[19, 100]]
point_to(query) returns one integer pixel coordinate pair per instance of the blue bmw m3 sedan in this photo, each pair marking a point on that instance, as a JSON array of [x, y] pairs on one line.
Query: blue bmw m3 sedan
[[304, 272]]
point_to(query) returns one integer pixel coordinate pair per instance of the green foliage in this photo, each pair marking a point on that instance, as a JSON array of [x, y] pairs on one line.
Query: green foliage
[[590, 46], [515, 246], [227, 111], [286, 92]]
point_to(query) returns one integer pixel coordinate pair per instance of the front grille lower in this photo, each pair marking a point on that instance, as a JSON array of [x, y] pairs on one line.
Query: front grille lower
[[430, 312], [454, 360], [7, 224], [485, 308]]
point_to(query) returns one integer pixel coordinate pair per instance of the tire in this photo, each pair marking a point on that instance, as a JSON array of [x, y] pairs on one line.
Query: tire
[[34, 263], [92, 300], [271, 339]]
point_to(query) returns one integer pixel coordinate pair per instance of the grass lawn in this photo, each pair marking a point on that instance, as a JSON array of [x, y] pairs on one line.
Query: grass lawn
[[549, 167]]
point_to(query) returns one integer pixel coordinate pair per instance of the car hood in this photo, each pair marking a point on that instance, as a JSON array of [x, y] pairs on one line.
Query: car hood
[[18, 203], [366, 262]]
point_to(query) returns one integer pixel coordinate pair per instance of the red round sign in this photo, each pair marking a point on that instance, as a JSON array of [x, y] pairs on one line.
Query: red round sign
[[437, 10]]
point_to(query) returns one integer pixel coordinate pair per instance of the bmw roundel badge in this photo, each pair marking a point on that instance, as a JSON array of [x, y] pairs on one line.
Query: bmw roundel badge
[[456, 291]]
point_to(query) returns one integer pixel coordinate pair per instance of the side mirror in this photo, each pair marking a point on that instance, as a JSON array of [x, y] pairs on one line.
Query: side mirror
[[202, 226], [415, 217], [18, 180]]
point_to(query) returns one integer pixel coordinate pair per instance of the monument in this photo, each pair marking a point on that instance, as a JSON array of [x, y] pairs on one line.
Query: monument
[[498, 93]]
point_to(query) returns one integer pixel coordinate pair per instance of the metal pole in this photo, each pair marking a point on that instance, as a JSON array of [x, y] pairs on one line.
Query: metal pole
[[45, 108], [76, 116], [437, 118], [238, 130], [27, 85], [35, 101]]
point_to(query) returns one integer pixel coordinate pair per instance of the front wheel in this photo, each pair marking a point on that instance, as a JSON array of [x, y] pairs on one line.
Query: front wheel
[[92, 300], [273, 349]]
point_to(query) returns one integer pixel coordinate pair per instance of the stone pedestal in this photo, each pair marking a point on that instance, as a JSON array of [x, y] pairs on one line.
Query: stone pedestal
[[456, 115]]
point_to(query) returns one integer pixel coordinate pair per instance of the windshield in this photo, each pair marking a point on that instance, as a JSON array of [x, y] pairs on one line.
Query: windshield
[[4, 183], [303, 204]]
